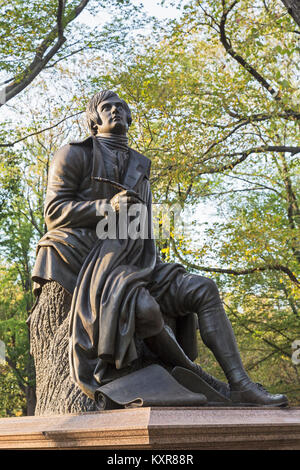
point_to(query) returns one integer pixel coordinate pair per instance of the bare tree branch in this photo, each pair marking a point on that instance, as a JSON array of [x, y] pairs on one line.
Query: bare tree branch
[[293, 7], [267, 341], [11, 144], [237, 272], [229, 49], [60, 13], [41, 57], [258, 185], [288, 115], [261, 360], [245, 154], [65, 57]]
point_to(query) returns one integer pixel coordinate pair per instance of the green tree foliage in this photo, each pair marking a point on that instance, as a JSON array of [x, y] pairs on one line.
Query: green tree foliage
[[34, 35], [21, 226], [16, 378], [215, 100]]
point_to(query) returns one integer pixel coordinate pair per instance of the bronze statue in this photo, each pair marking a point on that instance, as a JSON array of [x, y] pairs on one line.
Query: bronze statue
[[129, 310]]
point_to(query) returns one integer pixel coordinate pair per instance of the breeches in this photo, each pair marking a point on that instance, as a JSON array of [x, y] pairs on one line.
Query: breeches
[[184, 294]]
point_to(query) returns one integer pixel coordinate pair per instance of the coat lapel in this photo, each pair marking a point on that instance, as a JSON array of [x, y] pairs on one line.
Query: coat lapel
[[138, 168], [100, 190]]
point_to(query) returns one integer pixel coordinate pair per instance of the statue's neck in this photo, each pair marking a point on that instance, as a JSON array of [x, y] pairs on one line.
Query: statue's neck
[[114, 141]]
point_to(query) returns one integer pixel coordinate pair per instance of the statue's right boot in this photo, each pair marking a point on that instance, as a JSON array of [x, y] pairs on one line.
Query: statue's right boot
[[217, 334]]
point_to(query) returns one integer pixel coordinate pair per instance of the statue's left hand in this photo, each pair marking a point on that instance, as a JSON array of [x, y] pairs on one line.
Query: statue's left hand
[[126, 197]]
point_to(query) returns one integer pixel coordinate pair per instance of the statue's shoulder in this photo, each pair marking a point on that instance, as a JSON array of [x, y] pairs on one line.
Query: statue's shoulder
[[87, 142], [74, 153], [143, 161], [75, 146]]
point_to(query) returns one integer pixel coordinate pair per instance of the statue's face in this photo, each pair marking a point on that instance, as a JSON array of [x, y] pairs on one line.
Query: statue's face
[[113, 116]]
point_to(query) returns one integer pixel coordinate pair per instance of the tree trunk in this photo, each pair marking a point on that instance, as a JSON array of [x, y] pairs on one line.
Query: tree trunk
[[293, 7], [56, 393]]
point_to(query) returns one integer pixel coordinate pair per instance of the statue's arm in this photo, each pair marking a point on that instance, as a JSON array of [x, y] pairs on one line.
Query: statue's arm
[[63, 207]]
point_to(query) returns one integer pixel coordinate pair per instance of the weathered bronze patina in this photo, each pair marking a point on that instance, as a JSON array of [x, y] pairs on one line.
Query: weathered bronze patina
[[132, 317]]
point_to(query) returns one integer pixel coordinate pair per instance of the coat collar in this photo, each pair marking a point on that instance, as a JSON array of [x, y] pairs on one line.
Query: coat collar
[[87, 141]]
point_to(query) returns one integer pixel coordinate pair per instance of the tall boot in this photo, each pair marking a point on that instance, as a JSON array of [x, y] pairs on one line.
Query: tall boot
[[166, 347], [217, 334]]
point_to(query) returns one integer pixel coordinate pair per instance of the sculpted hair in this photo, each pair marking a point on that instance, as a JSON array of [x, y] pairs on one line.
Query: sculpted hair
[[92, 115]]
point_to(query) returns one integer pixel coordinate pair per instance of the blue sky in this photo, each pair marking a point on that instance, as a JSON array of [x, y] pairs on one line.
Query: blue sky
[[152, 7]]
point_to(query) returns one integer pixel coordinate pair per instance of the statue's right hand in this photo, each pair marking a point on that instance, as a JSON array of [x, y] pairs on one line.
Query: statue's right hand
[[125, 197]]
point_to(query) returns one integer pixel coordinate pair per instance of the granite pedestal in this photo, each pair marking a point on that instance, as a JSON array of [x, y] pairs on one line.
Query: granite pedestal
[[157, 428]]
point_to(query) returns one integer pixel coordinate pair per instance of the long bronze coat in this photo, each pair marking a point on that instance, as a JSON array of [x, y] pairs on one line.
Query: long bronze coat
[[102, 275]]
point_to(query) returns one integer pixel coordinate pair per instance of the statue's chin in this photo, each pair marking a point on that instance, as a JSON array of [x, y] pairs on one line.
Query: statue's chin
[[116, 128], [119, 128], [119, 131]]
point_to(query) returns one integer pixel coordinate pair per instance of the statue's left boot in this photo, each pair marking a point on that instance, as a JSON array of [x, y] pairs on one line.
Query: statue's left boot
[[166, 347], [217, 334]]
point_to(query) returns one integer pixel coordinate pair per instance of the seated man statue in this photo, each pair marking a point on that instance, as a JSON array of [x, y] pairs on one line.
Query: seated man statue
[[123, 296]]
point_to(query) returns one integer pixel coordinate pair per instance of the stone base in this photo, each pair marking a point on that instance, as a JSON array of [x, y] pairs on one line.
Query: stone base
[[157, 428]]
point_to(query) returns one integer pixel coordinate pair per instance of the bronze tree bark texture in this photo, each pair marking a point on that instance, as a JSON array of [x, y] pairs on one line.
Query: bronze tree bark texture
[[49, 323]]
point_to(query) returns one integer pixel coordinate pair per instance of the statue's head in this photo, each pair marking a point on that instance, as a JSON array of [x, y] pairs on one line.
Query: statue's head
[[107, 113]]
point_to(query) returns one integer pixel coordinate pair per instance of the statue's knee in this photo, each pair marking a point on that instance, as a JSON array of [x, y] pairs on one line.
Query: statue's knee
[[211, 287], [149, 321], [205, 291]]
